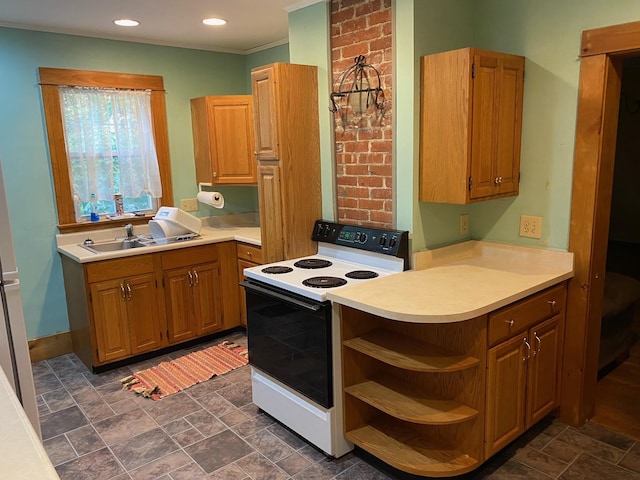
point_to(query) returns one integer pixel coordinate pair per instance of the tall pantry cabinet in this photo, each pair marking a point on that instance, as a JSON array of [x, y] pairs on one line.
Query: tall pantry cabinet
[[285, 104]]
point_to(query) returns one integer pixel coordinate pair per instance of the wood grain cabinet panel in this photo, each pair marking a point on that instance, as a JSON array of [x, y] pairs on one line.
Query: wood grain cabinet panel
[[523, 379], [193, 294], [414, 393], [287, 137], [471, 125], [223, 140], [437, 400], [125, 307], [248, 256]]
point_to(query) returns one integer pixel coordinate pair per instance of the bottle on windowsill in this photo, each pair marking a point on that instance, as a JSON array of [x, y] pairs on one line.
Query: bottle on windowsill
[[94, 208], [77, 208]]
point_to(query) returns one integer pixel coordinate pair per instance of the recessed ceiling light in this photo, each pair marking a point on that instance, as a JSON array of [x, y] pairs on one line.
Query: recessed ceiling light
[[214, 21], [126, 22]]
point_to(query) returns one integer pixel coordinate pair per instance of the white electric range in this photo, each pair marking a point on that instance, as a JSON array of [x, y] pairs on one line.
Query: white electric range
[[293, 338]]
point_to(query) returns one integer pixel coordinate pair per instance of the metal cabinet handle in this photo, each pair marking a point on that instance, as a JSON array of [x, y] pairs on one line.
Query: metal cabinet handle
[[539, 342], [123, 295], [524, 359], [215, 174], [510, 322], [552, 303], [128, 292], [190, 278], [248, 254], [495, 181], [195, 278]]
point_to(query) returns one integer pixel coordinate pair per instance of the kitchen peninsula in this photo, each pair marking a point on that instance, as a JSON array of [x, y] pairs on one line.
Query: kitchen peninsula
[[446, 364], [134, 301]]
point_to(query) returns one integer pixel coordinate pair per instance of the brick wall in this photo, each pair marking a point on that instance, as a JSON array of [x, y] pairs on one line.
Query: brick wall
[[364, 155]]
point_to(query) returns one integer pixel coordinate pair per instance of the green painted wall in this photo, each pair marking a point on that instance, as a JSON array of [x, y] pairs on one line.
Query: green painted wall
[[309, 40], [548, 34], [24, 152]]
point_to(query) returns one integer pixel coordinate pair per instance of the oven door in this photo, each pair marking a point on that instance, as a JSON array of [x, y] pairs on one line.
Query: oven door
[[289, 338]]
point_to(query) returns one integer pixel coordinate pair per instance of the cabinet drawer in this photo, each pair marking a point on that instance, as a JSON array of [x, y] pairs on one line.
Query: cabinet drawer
[[251, 253], [119, 268], [521, 315], [189, 256]]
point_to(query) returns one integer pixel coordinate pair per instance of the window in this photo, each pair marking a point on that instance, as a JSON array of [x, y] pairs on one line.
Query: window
[[106, 157]]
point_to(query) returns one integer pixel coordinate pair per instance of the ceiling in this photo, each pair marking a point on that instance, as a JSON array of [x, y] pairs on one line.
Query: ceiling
[[253, 25]]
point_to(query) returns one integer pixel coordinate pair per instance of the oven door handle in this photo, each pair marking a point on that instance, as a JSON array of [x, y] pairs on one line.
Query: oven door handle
[[285, 298]]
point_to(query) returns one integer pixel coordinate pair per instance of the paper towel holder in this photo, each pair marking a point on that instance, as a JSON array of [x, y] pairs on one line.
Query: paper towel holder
[[217, 198]]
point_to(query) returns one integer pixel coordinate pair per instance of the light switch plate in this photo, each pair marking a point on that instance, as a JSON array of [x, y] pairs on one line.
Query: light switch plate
[[189, 204], [530, 226]]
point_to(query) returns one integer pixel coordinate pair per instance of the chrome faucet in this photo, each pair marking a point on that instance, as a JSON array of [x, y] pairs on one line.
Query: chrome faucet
[[129, 229]]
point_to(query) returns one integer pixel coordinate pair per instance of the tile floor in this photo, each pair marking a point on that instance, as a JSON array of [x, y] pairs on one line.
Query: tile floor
[[92, 429]]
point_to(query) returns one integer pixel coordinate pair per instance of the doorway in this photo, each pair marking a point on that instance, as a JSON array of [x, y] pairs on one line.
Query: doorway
[[603, 52]]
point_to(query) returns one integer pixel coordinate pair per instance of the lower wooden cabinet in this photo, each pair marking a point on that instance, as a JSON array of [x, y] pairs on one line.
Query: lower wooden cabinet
[[125, 315], [248, 256], [438, 400], [192, 283], [192, 295], [523, 380], [124, 307], [522, 383], [414, 393]]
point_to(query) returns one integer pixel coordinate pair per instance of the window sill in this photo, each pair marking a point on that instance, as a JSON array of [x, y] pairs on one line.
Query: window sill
[[103, 223]]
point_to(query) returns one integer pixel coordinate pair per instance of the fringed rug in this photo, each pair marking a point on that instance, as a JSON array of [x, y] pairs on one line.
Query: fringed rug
[[171, 377]]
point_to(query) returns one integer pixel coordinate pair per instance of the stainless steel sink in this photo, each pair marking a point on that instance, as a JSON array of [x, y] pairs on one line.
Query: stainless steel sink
[[116, 245]]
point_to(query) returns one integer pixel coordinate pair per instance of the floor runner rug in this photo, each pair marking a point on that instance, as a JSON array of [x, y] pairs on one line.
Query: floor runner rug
[[171, 377]]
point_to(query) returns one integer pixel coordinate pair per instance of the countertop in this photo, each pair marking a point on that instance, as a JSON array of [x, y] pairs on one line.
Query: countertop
[[22, 455], [459, 282], [214, 230]]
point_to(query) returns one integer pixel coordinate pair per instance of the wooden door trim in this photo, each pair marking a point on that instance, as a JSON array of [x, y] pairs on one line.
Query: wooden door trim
[[597, 118], [622, 39]]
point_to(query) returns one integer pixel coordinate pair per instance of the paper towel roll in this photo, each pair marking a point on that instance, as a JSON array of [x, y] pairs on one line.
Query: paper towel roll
[[215, 199]]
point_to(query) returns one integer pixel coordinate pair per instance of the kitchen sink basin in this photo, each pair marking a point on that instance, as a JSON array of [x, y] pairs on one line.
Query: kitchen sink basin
[[116, 245]]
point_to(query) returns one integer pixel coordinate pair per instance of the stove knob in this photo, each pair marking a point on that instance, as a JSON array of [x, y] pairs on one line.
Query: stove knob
[[383, 241], [363, 237], [393, 241]]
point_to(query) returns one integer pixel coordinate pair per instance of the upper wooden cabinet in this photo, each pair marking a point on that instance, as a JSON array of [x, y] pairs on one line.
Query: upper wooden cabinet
[[223, 139], [471, 124], [287, 136], [266, 114]]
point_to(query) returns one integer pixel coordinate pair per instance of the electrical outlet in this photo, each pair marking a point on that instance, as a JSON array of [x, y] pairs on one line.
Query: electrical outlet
[[464, 224], [530, 226], [189, 204]]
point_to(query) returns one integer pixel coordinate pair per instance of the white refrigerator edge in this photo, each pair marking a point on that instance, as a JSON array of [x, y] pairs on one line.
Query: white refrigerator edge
[[14, 348]]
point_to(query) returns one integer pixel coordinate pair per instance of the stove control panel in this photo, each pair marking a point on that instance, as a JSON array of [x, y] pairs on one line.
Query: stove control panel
[[388, 242]]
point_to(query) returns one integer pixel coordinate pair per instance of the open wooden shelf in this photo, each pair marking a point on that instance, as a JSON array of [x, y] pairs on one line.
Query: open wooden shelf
[[406, 403], [409, 450], [406, 353]]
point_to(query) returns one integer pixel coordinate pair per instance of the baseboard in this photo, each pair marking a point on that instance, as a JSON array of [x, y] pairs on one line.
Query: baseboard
[[52, 346]]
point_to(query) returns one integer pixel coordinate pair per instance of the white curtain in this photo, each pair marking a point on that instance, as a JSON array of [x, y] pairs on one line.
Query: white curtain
[[109, 140]]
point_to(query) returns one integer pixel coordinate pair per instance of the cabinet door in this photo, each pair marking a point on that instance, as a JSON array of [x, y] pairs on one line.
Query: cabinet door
[[206, 298], [242, 264], [497, 125], [178, 284], [509, 128], [484, 126], [110, 320], [271, 226], [223, 139], [142, 313], [265, 114], [544, 369], [506, 377]]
